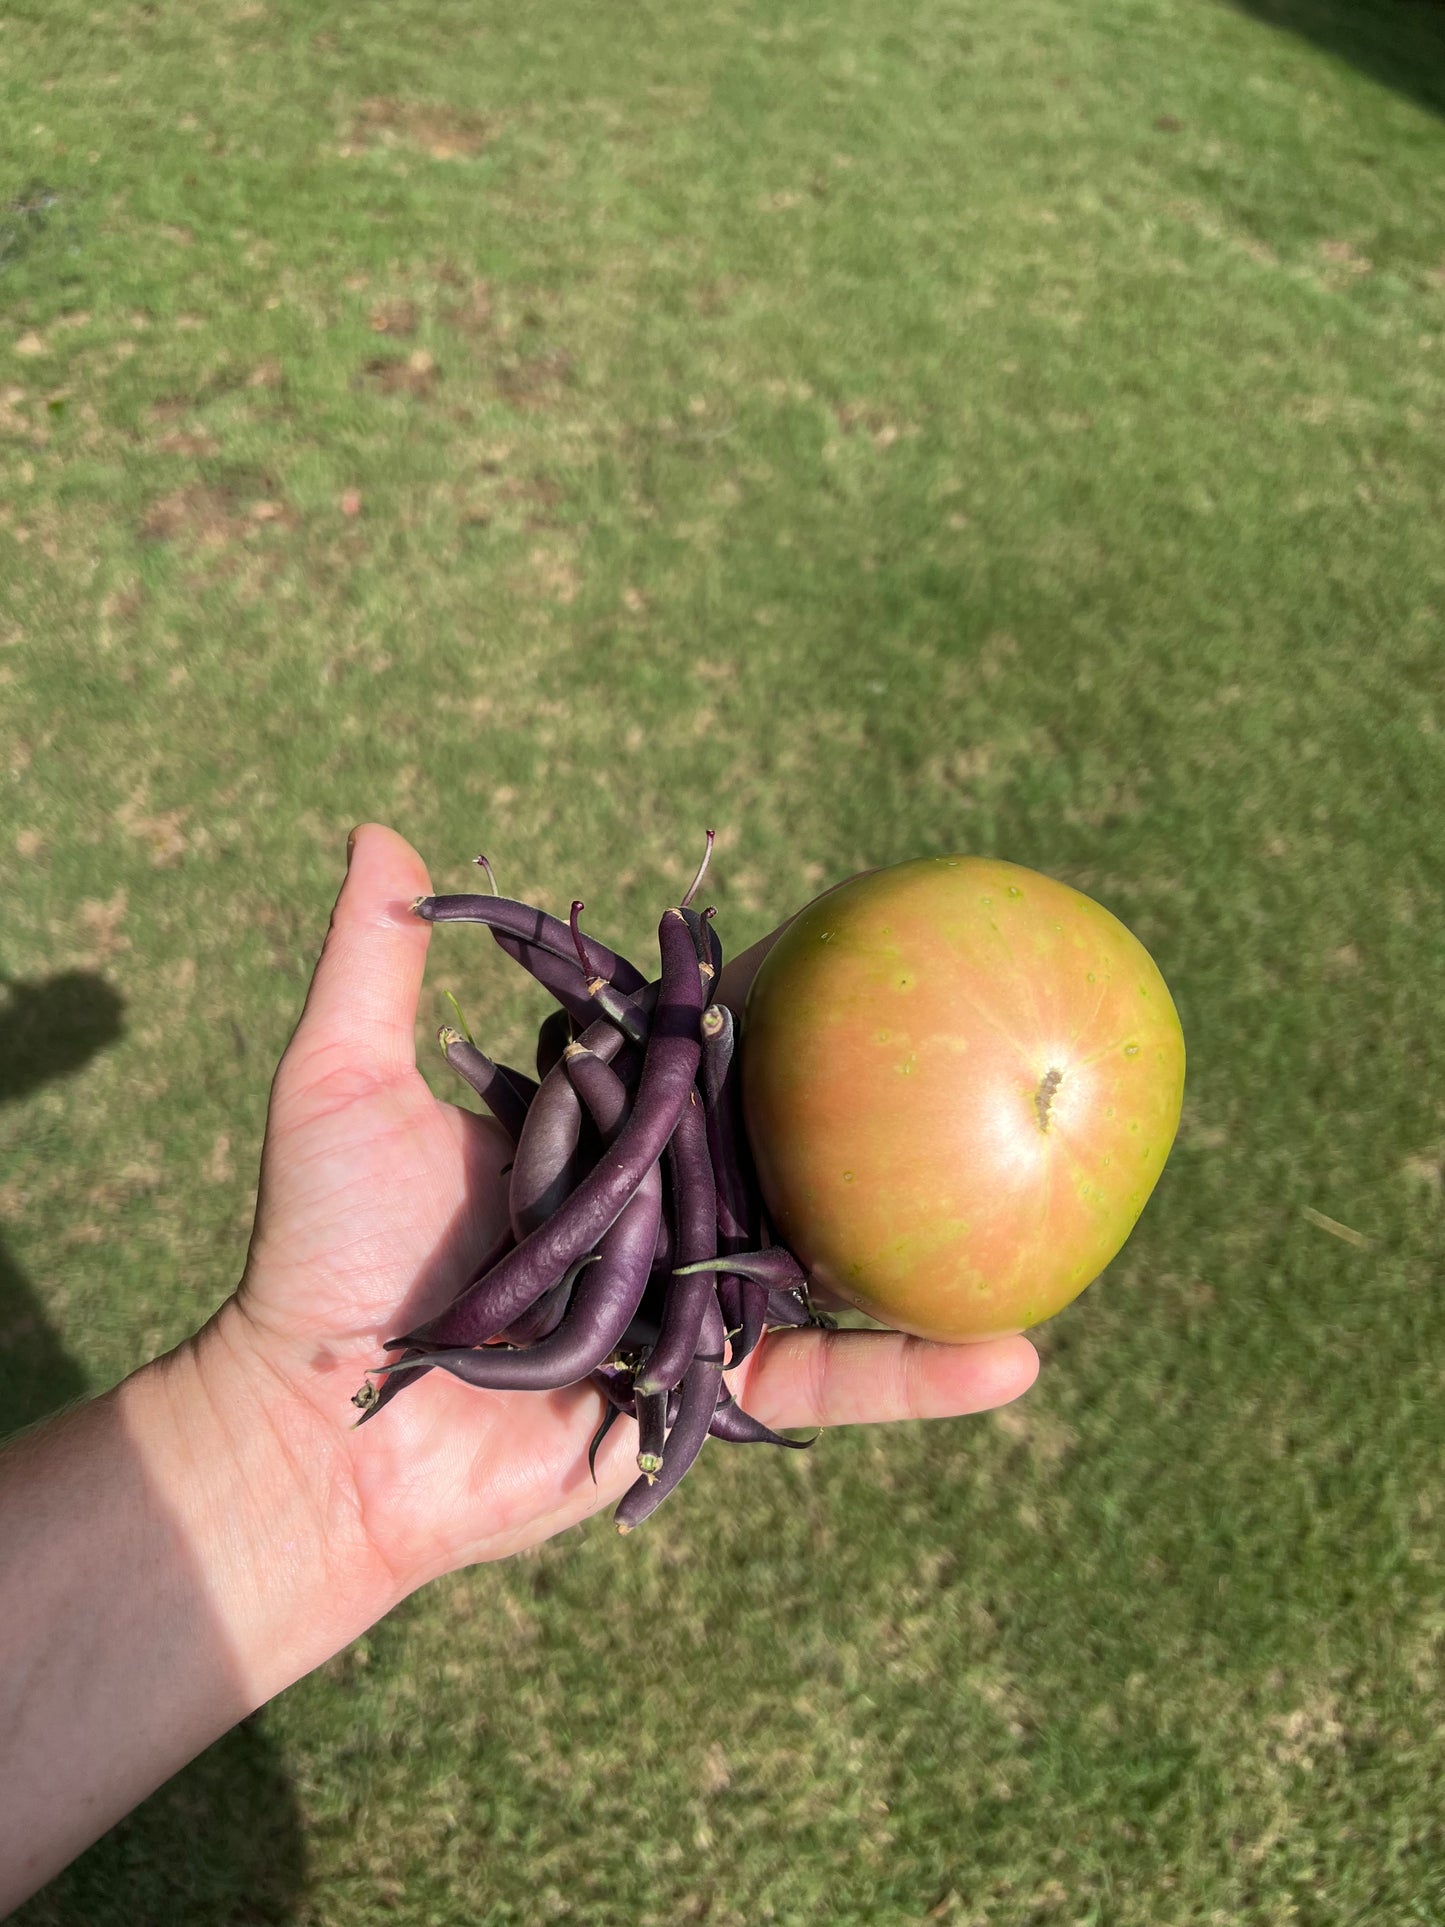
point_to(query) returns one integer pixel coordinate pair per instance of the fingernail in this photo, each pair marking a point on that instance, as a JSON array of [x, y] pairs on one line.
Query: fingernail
[[350, 846]]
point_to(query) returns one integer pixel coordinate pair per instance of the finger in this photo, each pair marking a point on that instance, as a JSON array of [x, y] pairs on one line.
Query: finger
[[865, 1378], [364, 994]]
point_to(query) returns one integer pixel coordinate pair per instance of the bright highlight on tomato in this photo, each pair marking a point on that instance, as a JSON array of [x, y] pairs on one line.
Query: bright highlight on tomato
[[961, 1080]]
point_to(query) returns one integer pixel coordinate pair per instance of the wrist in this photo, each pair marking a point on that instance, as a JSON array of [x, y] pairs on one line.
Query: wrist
[[261, 1491]]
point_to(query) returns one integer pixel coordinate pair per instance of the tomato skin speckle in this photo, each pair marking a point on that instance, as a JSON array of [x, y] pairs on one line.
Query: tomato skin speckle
[[891, 1089]]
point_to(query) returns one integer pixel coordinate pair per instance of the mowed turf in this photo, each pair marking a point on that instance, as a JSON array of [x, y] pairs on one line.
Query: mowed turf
[[872, 431]]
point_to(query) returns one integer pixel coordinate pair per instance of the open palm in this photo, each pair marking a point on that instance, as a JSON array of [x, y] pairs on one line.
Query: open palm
[[377, 1200]]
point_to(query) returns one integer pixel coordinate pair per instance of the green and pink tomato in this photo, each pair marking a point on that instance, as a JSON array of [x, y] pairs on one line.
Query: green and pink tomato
[[961, 1080]]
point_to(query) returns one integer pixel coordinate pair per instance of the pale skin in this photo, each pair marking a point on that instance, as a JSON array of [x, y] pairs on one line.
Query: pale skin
[[178, 1551]]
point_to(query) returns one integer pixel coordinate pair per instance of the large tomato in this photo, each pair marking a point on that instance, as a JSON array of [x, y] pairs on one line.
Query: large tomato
[[960, 1081]]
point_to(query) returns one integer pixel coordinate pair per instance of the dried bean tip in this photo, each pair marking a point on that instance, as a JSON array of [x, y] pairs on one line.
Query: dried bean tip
[[449, 1034], [483, 865], [609, 1419], [399, 1365], [692, 888], [421, 907]]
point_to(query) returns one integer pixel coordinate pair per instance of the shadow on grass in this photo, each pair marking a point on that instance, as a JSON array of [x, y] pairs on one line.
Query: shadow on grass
[[220, 1844], [1400, 43]]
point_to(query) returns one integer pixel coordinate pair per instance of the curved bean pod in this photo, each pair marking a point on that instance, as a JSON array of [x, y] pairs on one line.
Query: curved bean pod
[[525, 1087], [544, 1170], [558, 975], [706, 943], [732, 1163], [599, 1087], [544, 1166], [788, 1308], [775, 1267], [688, 1293], [666, 1253], [732, 1171], [490, 1081], [772, 1290], [609, 1419], [753, 1299], [533, 926], [539, 1321], [603, 1300], [738, 1427], [686, 1439]]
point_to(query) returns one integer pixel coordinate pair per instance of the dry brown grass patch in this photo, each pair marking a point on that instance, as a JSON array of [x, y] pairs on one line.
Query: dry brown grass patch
[[416, 374], [445, 132]]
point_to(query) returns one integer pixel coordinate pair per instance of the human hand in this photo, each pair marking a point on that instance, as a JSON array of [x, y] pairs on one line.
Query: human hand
[[376, 1199]]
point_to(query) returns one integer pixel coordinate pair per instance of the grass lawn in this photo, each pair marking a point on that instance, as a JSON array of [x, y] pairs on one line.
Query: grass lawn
[[876, 431]]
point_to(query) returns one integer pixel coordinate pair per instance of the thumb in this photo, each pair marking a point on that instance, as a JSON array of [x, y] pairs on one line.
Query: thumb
[[361, 1007]]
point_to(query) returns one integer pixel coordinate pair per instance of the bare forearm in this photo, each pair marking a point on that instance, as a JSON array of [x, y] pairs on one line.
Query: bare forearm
[[162, 1574]]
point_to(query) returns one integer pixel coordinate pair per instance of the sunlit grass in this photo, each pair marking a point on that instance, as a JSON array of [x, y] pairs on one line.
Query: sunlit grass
[[872, 433]]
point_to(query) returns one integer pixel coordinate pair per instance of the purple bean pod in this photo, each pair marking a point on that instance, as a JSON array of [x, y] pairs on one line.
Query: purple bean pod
[[558, 975], [753, 1322], [525, 1086], [732, 1168], [609, 1418], [490, 1081], [738, 1427], [686, 1439], [669, 1066], [706, 943], [534, 927], [666, 1254], [738, 1199], [730, 1303], [545, 1168], [603, 1299], [628, 1016], [651, 1431], [599, 1087], [688, 1294], [775, 1267], [787, 1308], [539, 1321], [553, 1035], [615, 1386], [544, 1165]]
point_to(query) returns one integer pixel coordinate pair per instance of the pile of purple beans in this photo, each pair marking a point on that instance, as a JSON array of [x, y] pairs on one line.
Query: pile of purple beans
[[638, 1257]]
